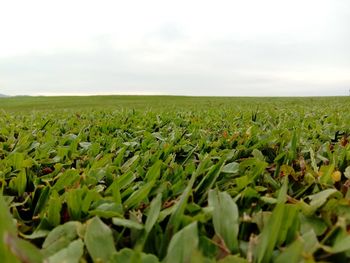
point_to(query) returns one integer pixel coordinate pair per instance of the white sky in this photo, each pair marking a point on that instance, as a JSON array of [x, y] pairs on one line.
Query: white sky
[[224, 48]]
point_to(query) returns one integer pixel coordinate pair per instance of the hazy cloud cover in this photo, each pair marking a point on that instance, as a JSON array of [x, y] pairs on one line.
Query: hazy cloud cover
[[223, 48]]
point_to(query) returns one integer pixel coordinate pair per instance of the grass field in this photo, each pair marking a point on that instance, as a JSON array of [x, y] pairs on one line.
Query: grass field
[[25, 104], [174, 179]]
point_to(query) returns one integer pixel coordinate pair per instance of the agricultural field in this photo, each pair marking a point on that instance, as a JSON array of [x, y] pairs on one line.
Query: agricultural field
[[174, 179]]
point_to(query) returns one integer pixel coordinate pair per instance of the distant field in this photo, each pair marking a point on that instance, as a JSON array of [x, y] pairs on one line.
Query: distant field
[[174, 179], [158, 102]]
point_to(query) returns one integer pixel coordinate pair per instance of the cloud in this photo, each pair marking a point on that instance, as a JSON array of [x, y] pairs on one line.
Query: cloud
[[231, 48], [228, 68]]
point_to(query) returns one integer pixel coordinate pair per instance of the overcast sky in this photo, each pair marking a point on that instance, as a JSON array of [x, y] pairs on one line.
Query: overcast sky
[[223, 48]]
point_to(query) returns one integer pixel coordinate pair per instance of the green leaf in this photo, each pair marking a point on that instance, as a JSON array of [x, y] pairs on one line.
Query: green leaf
[[153, 213], [314, 223], [154, 172], [209, 179], [66, 180], [326, 177], [313, 160], [311, 243], [208, 247], [317, 200], [341, 244], [125, 180], [231, 168], [127, 223], [16, 159], [293, 146], [129, 163], [242, 182], [183, 245], [74, 199], [89, 198], [71, 254], [258, 155], [126, 255], [7, 227], [152, 217], [292, 254], [54, 209], [347, 172], [176, 217], [225, 218], [138, 196], [233, 259], [41, 231], [290, 226], [99, 240], [60, 237], [116, 192], [107, 210], [269, 235], [20, 182], [44, 195], [23, 250], [282, 195]]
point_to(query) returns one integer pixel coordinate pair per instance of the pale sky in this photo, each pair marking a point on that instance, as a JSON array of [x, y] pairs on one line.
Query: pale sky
[[221, 48]]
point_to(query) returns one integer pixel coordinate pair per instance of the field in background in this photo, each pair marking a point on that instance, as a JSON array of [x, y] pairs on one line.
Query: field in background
[[76, 103], [174, 179]]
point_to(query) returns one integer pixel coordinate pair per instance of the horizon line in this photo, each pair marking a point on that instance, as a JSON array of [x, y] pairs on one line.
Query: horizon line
[[161, 95]]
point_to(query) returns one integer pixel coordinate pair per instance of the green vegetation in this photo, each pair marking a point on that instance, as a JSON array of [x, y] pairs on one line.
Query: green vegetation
[[174, 179]]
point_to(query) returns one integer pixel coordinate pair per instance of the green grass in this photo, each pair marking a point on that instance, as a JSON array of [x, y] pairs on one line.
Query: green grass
[[174, 179], [78, 103]]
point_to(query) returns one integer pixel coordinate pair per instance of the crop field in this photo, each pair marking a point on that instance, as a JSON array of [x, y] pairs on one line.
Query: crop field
[[174, 179]]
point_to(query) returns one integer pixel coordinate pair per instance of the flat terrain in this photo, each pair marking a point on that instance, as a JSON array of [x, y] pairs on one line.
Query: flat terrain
[[75, 103], [174, 179]]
